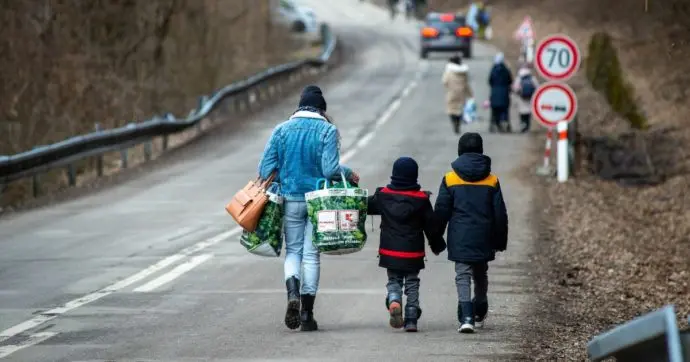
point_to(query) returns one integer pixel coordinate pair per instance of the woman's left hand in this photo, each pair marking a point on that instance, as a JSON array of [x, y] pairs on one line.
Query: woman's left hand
[[354, 177]]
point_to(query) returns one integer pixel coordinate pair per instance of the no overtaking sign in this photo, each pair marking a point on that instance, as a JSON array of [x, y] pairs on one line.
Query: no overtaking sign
[[554, 102]]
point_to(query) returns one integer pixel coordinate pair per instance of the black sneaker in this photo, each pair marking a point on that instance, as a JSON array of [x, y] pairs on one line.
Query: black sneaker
[[395, 312], [412, 315], [480, 312], [466, 317]]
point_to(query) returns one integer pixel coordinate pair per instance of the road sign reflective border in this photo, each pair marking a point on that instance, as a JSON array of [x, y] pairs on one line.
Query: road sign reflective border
[[554, 90], [573, 55]]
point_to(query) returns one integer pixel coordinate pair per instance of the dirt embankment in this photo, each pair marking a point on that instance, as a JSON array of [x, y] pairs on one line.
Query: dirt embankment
[[65, 66], [607, 253]]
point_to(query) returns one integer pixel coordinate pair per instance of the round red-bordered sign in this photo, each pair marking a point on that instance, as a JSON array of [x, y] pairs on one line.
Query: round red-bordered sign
[[554, 102], [557, 57]]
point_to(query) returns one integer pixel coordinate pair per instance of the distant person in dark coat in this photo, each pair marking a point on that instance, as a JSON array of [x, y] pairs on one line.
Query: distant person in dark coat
[[501, 81], [406, 216], [470, 203]]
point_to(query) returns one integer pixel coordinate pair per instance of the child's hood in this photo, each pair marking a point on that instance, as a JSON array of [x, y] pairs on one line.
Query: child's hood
[[472, 167], [402, 205]]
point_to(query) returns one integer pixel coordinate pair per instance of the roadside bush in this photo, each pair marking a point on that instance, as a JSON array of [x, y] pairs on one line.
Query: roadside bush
[[604, 72]]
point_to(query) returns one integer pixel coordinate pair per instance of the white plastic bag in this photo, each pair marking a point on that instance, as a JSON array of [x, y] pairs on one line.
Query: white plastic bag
[[488, 33], [469, 112]]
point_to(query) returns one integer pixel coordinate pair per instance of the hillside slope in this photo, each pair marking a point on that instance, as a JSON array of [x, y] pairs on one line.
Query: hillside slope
[[65, 65]]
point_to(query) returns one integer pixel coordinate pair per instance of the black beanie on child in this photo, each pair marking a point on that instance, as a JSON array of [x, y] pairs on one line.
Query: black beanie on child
[[470, 142], [405, 172], [312, 97]]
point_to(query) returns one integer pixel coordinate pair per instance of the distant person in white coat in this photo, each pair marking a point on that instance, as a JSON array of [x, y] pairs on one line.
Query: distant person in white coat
[[456, 81], [524, 86]]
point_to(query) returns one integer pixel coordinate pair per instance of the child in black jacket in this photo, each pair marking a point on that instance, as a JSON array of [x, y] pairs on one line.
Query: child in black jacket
[[470, 203], [406, 215]]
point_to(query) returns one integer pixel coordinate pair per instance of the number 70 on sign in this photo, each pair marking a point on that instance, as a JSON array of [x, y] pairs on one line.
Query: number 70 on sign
[[558, 57]]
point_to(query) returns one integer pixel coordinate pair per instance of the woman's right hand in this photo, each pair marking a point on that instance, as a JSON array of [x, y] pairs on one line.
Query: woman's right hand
[[354, 177]]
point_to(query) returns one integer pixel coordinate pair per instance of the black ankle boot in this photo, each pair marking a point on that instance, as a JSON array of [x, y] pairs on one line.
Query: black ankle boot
[[307, 314], [412, 314], [292, 319]]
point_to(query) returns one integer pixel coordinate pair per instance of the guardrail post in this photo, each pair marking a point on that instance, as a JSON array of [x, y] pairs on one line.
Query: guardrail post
[[35, 187], [238, 104], [171, 118], [71, 175], [123, 158], [147, 151], [99, 158], [251, 99]]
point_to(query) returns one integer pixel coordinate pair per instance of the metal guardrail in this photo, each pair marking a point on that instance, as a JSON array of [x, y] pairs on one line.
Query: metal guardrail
[[65, 153], [653, 337]]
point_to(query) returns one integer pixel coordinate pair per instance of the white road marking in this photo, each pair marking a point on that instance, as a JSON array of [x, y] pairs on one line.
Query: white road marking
[[174, 274], [32, 340], [387, 114], [367, 291], [53, 313]]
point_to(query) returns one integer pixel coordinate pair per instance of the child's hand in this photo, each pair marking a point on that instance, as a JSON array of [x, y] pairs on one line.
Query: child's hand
[[439, 250]]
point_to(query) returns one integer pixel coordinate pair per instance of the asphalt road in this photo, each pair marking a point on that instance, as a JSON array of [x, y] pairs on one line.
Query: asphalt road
[[151, 270]]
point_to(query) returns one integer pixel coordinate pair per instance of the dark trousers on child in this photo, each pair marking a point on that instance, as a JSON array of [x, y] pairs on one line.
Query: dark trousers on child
[[465, 273], [525, 120], [397, 279]]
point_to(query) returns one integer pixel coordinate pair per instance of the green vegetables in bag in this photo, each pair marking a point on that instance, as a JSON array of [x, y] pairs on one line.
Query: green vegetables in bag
[[338, 215], [267, 239]]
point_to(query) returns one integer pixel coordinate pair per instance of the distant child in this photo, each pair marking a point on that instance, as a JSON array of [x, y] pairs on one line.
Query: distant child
[[524, 85], [406, 216], [471, 204]]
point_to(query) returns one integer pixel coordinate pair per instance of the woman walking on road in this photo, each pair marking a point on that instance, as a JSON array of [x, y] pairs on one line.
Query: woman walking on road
[[500, 81], [302, 150], [458, 91]]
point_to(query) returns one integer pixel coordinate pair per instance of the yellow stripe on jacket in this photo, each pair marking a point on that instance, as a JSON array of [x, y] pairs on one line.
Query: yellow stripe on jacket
[[452, 179]]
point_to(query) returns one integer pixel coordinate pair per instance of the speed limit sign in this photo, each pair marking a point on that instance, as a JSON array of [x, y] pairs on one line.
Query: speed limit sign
[[558, 57]]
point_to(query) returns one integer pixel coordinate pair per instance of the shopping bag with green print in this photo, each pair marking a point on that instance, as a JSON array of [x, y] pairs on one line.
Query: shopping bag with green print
[[338, 212], [267, 239]]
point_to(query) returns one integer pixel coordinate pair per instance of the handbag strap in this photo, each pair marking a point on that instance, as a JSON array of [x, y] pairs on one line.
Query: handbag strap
[[264, 185]]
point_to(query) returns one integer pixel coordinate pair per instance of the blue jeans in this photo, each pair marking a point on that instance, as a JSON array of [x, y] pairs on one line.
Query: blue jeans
[[300, 249]]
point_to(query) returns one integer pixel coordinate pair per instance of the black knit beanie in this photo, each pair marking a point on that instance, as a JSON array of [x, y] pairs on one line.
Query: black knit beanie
[[470, 142], [312, 97], [405, 173]]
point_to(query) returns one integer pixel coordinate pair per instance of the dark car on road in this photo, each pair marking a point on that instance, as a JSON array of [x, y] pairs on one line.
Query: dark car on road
[[446, 32]]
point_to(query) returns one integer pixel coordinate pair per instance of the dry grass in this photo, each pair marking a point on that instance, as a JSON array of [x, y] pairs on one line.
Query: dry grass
[[65, 65], [606, 253]]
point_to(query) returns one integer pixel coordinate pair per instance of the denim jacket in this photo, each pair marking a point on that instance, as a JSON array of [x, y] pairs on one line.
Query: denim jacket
[[303, 149]]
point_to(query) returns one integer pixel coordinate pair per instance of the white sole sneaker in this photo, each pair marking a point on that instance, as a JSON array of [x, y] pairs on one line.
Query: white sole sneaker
[[479, 324], [466, 328]]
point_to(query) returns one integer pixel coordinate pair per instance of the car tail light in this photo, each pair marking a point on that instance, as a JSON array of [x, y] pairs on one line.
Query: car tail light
[[464, 32], [447, 18], [429, 32]]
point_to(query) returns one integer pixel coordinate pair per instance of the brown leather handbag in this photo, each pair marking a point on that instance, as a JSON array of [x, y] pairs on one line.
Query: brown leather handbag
[[248, 204]]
